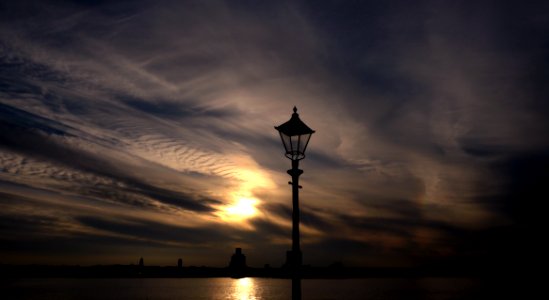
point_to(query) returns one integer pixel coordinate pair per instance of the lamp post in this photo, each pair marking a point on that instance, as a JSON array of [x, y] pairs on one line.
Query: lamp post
[[295, 137]]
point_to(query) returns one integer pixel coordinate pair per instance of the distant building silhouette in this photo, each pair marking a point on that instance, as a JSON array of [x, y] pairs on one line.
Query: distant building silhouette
[[141, 262], [180, 263], [237, 265], [238, 260]]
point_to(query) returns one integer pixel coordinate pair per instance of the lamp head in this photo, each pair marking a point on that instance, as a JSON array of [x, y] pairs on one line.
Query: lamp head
[[295, 136]]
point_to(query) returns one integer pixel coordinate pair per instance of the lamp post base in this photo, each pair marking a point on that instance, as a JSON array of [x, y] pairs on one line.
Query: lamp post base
[[296, 288]]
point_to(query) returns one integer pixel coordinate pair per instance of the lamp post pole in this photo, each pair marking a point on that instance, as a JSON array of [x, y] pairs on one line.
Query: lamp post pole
[[296, 249], [295, 137]]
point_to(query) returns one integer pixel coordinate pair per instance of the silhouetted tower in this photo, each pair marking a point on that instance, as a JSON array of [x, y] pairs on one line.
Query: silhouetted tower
[[180, 263], [295, 137], [141, 262], [238, 260]]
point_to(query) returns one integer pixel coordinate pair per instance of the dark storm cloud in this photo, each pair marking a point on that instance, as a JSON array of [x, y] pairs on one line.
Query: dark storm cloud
[[479, 149], [155, 231], [20, 120], [133, 194], [175, 110], [402, 225], [26, 227], [21, 132], [175, 198], [308, 217], [18, 71], [268, 229], [404, 208], [398, 226]]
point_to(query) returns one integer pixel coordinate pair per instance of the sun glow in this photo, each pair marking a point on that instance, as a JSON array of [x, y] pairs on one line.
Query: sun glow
[[241, 196], [242, 208]]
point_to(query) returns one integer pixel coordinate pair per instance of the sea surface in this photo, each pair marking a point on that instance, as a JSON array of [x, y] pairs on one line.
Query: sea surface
[[248, 288]]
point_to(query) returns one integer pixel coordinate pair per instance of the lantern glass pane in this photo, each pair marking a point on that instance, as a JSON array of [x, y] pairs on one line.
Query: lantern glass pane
[[295, 143], [285, 142], [303, 142]]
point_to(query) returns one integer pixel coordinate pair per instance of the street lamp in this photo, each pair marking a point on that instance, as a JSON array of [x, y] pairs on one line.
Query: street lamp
[[295, 137]]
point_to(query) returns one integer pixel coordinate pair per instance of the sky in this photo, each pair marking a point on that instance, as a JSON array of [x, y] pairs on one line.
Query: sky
[[136, 129]]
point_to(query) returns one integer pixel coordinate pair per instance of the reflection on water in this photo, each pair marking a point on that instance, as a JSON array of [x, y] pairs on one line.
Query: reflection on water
[[244, 289], [256, 289]]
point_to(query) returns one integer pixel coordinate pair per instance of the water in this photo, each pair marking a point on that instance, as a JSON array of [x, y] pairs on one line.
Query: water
[[244, 288]]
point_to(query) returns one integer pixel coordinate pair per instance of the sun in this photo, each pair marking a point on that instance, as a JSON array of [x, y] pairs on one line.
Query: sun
[[242, 208], [239, 199]]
